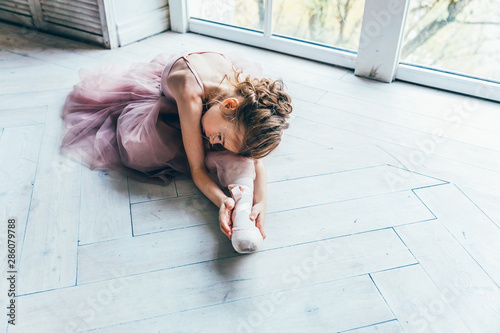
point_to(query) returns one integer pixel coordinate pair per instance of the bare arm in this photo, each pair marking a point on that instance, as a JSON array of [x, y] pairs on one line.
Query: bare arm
[[187, 94], [259, 196], [260, 182]]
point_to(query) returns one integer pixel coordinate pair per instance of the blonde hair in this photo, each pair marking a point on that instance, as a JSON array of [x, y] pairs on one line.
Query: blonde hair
[[262, 115]]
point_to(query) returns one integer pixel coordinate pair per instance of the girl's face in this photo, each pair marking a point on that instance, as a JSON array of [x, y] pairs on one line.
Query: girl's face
[[218, 129]]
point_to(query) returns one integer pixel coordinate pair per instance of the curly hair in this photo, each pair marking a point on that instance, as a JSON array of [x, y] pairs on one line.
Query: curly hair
[[262, 115]]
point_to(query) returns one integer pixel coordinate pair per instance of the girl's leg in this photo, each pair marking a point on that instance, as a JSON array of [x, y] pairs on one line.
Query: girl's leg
[[237, 173]]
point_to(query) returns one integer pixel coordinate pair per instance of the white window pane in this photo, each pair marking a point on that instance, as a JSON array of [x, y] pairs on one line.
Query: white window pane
[[459, 36], [335, 23], [241, 13]]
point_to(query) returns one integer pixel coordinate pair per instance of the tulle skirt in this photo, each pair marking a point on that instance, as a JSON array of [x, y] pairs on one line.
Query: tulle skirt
[[116, 118]]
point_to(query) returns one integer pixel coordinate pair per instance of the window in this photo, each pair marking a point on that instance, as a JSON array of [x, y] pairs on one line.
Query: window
[[325, 22], [322, 30], [240, 13], [447, 44], [454, 36], [331, 23]]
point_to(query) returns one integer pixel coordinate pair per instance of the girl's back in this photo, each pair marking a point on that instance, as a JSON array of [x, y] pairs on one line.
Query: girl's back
[[207, 69]]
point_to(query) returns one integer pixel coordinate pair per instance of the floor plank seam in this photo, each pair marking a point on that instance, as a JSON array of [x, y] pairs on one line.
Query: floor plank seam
[[465, 249], [165, 198], [399, 109], [130, 207], [256, 296], [394, 268], [347, 71], [182, 311], [275, 155], [344, 200], [141, 235], [430, 186], [22, 108], [380, 292], [22, 125], [43, 59], [413, 190], [33, 183], [375, 85], [368, 117], [106, 240], [366, 326], [328, 173], [409, 129], [45, 291], [235, 254], [307, 140], [79, 225], [325, 92], [405, 146], [407, 247], [431, 220], [341, 129], [208, 223], [172, 229], [277, 181], [394, 157], [420, 174], [495, 223], [326, 239], [56, 90], [473, 258], [444, 157], [76, 265]]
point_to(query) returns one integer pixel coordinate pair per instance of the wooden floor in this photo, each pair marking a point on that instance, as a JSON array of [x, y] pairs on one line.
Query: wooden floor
[[383, 212]]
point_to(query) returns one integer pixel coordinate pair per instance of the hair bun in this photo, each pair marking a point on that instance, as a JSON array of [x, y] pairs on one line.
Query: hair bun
[[263, 112]]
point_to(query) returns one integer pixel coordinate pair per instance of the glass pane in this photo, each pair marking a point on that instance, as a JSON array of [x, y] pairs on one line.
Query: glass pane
[[242, 13], [335, 23], [461, 36]]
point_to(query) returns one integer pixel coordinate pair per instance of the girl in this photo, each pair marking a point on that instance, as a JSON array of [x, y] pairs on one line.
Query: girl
[[194, 114]]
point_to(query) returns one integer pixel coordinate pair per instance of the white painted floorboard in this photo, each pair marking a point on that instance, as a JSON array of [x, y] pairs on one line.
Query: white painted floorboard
[[417, 302], [326, 306], [464, 285], [383, 210], [219, 281]]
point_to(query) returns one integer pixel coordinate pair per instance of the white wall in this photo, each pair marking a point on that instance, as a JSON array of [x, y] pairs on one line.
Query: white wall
[[135, 20]]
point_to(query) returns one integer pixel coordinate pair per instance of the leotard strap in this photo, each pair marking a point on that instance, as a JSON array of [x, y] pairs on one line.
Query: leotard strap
[[196, 76]]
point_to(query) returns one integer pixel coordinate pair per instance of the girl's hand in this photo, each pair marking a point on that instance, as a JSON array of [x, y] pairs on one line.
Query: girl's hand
[[225, 212], [258, 215]]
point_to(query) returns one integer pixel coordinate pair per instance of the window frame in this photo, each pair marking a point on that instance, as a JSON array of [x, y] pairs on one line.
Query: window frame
[[455, 82], [277, 43]]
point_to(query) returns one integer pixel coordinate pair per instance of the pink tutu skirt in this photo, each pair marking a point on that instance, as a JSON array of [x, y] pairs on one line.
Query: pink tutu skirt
[[116, 118]]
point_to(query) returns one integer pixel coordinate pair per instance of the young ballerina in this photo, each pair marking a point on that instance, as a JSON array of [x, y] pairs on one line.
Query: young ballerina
[[192, 114]]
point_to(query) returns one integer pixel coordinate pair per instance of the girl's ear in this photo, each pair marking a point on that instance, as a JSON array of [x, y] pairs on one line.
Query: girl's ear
[[230, 103]]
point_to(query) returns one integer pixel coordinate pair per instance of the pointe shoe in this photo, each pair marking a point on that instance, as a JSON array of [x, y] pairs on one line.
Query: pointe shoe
[[246, 236], [246, 240]]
